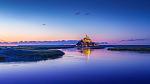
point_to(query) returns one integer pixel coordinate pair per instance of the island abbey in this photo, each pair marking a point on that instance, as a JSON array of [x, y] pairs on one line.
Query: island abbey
[[86, 42]]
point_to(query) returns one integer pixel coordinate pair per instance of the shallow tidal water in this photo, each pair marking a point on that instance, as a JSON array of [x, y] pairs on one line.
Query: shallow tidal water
[[85, 66]]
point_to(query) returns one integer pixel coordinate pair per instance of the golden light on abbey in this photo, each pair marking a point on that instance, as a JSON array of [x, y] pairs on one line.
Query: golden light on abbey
[[86, 42]]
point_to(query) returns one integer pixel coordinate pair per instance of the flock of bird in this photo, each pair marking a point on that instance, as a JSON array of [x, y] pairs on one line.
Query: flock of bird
[[76, 13], [79, 13]]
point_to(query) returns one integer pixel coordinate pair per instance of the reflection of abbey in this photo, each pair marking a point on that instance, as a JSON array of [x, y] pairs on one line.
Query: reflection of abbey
[[86, 42]]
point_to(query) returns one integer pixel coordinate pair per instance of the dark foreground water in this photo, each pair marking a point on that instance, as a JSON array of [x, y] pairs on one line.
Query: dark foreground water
[[81, 67]]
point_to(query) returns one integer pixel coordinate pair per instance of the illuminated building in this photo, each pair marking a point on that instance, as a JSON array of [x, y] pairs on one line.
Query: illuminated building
[[86, 42]]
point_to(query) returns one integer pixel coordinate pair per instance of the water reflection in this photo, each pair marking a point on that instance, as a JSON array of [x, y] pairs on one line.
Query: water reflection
[[103, 65], [86, 51], [79, 51]]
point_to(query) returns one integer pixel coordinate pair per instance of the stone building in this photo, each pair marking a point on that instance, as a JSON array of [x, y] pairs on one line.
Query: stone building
[[86, 42]]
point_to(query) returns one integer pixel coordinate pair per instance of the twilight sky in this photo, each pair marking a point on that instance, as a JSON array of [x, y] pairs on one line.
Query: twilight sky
[[103, 20]]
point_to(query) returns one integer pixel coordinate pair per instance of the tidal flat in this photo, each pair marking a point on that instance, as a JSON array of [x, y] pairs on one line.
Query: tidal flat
[[34, 53], [14, 54], [130, 48]]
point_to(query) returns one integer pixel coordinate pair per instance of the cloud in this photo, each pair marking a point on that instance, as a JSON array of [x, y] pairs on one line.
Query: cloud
[[139, 41]]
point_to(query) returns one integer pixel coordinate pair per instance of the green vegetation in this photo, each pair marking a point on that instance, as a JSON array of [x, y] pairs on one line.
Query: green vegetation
[[2, 58], [27, 55], [36, 53], [129, 49]]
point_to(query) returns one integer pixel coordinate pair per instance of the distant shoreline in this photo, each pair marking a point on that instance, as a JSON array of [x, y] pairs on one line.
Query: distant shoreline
[[109, 47]]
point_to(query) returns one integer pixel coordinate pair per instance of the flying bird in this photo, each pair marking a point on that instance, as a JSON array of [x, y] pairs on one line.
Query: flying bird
[[43, 24]]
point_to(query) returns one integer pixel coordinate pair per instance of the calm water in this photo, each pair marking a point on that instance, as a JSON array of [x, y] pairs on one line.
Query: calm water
[[81, 67]]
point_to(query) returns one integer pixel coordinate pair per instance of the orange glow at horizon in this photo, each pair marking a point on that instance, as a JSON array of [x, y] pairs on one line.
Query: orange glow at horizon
[[33, 37], [14, 38]]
